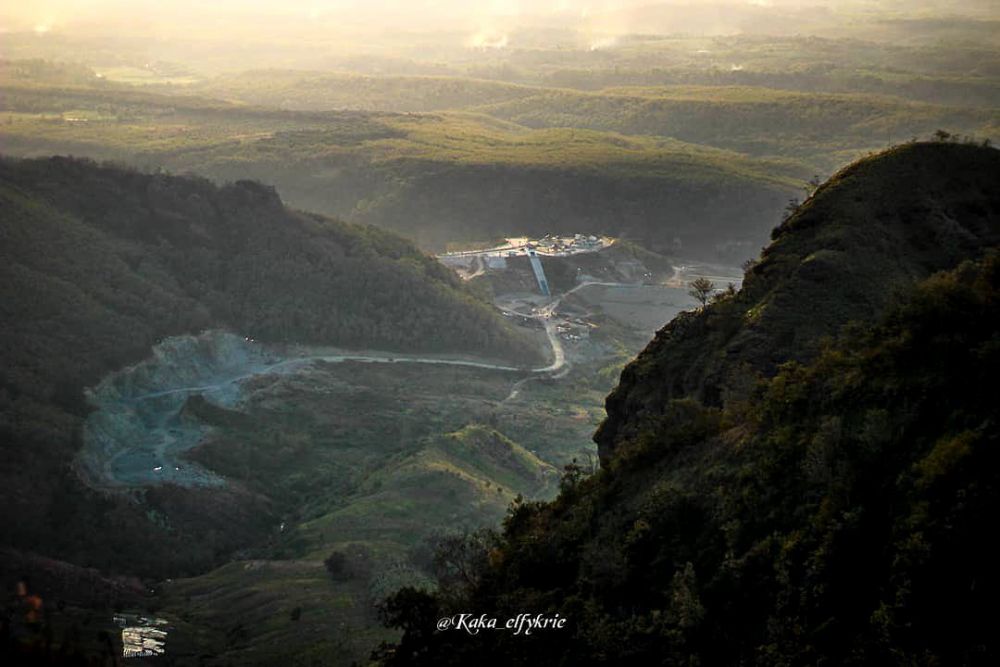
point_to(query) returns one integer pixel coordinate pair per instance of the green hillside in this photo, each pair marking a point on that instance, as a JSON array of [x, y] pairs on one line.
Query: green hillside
[[382, 536], [836, 510], [824, 130], [849, 251], [435, 178], [99, 263], [325, 91], [699, 164]]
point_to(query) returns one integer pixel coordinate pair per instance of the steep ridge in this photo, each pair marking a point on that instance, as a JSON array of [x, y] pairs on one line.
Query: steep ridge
[[835, 510], [868, 234]]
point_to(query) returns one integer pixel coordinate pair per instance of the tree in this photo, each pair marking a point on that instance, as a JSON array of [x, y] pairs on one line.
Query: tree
[[573, 474], [727, 293], [812, 185], [791, 208], [460, 559], [701, 289], [336, 565]]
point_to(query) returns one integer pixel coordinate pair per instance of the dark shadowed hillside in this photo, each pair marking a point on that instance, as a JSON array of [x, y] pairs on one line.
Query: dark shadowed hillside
[[832, 509], [232, 256], [98, 263], [863, 239]]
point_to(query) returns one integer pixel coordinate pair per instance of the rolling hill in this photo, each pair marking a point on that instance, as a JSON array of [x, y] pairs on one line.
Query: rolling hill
[[434, 178], [822, 129]]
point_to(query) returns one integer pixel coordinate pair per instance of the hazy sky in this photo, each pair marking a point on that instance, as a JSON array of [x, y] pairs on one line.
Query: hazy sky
[[65, 13], [485, 20], [71, 10]]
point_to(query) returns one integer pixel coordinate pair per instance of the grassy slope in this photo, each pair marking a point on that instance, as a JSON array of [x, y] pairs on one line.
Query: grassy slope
[[464, 478], [365, 490]]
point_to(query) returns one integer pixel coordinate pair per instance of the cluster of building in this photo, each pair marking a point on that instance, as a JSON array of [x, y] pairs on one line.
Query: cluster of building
[[567, 245], [470, 263]]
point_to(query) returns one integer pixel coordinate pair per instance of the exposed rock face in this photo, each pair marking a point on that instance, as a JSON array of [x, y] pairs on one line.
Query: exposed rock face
[[874, 229], [139, 428]]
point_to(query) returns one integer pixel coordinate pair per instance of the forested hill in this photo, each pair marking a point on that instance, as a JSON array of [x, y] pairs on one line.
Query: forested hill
[[98, 263], [863, 239], [433, 178], [832, 510], [126, 257]]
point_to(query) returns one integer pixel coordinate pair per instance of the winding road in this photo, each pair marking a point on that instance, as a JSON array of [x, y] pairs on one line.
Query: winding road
[[370, 358], [162, 452], [558, 367]]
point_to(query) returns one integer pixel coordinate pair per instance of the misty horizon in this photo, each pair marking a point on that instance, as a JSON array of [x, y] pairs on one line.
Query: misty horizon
[[445, 333]]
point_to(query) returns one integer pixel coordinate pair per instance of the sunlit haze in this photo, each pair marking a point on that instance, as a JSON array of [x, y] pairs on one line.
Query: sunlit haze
[[437, 333]]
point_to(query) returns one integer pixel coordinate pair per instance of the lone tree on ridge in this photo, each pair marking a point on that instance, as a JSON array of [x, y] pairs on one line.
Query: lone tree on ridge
[[701, 289]]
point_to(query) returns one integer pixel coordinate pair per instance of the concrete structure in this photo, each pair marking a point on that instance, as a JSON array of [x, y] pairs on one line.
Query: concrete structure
[[471, 263], [536, 266]]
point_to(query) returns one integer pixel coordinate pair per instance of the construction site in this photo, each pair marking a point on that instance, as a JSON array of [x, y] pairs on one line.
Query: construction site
[[574, 285]]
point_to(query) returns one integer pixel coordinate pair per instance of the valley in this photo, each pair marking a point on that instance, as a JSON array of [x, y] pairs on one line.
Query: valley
[[757, 446], [322, 323], [276, 420]]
